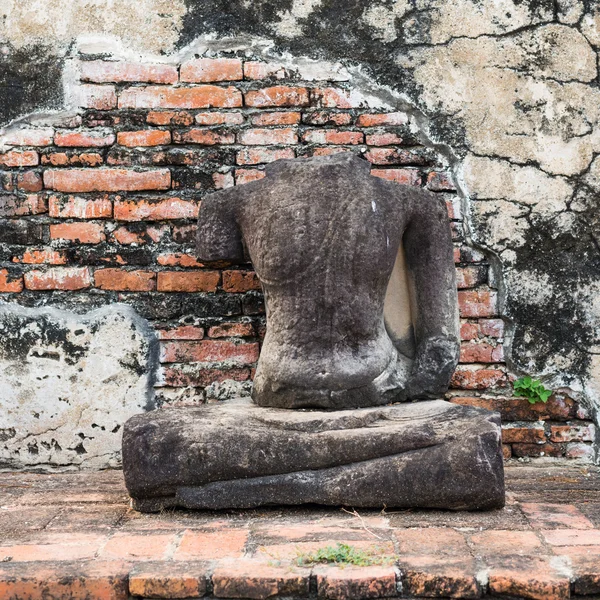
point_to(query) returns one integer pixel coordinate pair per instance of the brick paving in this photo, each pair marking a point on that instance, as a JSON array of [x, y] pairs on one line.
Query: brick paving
[[73, 536]]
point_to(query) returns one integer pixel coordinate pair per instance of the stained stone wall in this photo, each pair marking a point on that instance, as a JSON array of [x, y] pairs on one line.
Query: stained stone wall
[[501, 114]]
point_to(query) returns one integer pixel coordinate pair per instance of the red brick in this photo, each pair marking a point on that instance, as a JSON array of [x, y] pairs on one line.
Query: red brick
[[279, 95], [469, 277], [140, 547], [240, 281], [188, 281], [530, 434], [54, 547], [178, 259], [506, 451], [327, 117], [28, 137], [89, 137], [219, 118], [440, 182], [267, 137], [395, 118], [572, 537], [78, 207], [60, 278], [101, 71], [255, 156], [169, 117], [20, 158], [100, 97], [247, 578], [185, 375], [396, 156], [260, 70], [106, 180], [247, 175], [212, 545], [383, 139], [155, 209], [533, 578], [84, 233], [431, 541], [439, 577], [29, 181], [168, 580], [477, 379], [211, 69], [276, 118], [332, 136], [471, 352], [184, 332], [334, 98], [49, 256], [10, 283], [580, 450], [492, 327], [504, 542], [572, 433], [125, 281], [205, 96], [337, 583], [209, 351], [206, 137], [146, 137], [100, 580], [231, 330], [61, 159], [329, 151], [223, 180], [536, 450], [479, 303], [551, 516], [22, 206], [145, 235], [402, 176]]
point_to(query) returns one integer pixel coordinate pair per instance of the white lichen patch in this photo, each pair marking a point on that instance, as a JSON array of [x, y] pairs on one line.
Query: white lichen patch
[[289, 24], [383, 18], [69, 383]]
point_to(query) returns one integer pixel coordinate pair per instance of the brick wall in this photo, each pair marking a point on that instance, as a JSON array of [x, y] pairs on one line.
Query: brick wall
[[100, 207]]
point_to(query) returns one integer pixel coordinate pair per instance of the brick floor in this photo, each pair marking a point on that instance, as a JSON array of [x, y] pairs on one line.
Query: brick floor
[[73, 536]]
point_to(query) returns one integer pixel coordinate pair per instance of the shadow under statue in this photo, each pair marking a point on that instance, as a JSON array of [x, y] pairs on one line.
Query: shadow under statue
[[331, 419]]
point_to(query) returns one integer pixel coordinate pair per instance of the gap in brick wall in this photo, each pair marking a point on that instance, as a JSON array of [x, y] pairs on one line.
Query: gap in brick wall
[[99, 207]]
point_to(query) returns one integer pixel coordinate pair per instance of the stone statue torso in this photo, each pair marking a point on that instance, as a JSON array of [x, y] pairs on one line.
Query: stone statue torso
[[323, 236]]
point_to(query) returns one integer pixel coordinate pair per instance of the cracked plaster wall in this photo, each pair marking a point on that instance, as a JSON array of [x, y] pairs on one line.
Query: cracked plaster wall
[[69, 382], [510, 85]]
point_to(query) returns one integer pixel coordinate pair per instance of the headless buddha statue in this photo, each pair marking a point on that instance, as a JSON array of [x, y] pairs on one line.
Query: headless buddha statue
[[323, 236]]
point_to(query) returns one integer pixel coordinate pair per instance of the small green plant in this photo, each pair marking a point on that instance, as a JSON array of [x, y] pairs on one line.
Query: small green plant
[[532, 389], [344, 554]]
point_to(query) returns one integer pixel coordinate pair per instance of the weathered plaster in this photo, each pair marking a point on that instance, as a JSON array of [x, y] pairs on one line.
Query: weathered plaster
[[69, 382]]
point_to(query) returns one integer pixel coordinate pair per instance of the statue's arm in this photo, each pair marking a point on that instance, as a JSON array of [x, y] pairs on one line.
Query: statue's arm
[[430, 262], [218, 237]]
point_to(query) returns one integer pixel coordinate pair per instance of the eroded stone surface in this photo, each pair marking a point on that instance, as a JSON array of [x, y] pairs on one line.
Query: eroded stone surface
[[238, 455], [323, 235], [69, 382]]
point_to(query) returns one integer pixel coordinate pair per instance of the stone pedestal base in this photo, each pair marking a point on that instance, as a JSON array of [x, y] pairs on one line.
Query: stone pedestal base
[[430, 454]]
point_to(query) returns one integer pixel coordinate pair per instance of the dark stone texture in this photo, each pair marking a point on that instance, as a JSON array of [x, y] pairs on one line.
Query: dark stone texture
[[30, 79], [237, 455], [323, 236]]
